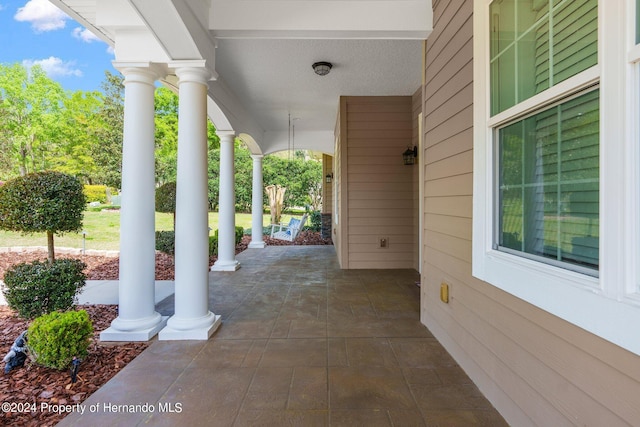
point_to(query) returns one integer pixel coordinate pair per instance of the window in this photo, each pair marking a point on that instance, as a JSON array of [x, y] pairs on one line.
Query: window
[[536, 45], [633, 249], [548, 184], [548, 163], [556, 197], [637, 21]]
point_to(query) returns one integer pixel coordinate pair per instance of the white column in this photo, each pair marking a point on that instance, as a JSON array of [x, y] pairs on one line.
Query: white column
[[257, 204], [226, 208], [137, 319], [192, 319]]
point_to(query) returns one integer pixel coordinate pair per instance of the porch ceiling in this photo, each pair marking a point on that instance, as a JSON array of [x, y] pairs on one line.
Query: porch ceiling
[[264, 65], [274, 78]]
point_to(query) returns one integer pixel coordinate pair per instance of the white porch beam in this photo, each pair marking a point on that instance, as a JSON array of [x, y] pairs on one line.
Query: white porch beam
[[226, 208], [192, 318], [322, 19], [256, 204], [137, 319]]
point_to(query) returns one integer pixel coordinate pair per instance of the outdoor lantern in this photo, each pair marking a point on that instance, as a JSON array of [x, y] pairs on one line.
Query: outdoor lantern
[[328, 178], [409, 156], [322, 68]]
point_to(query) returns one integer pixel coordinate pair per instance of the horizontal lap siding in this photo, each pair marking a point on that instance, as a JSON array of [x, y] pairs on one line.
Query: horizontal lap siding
[[535, 368], [380, 190]]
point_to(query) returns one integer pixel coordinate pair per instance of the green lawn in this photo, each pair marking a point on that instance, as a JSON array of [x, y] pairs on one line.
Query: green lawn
[[103, 231]]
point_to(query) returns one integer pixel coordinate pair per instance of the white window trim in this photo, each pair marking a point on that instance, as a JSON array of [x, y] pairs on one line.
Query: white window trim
[[602, 305], [632, 221]]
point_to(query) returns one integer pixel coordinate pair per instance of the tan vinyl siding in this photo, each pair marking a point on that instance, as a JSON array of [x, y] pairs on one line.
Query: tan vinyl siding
[[339, 225], [534, 367], [379, 188]]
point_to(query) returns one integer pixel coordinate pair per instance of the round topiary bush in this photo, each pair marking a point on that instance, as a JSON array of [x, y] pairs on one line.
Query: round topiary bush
[[55, 338], [37, 288], [51, 202], [166, 198]]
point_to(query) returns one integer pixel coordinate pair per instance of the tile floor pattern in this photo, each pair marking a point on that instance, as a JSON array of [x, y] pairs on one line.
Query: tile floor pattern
[[302, 343]]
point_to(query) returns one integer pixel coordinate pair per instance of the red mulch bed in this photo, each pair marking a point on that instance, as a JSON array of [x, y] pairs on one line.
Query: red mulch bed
[[31, 386], [27, 388]]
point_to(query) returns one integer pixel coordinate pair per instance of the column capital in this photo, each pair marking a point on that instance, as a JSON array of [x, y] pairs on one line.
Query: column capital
[[226, 135], [195, 70], [257, 156], [140, 72]]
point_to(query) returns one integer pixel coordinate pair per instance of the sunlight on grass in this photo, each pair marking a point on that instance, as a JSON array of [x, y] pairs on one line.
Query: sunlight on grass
[[103, 231]]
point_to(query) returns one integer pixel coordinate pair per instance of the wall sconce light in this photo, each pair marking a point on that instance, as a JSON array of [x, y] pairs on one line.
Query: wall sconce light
[[410, 155], [328, 178]]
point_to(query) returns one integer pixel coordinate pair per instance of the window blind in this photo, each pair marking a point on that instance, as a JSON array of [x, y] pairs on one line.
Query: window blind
[[549, 183]]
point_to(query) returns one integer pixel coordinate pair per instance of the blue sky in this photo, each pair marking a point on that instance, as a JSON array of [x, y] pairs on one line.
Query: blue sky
[[36, 32]]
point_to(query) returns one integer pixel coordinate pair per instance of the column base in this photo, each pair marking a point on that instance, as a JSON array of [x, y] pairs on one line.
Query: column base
[[201, 331], [225, 266], [113, 334], [257, 245]]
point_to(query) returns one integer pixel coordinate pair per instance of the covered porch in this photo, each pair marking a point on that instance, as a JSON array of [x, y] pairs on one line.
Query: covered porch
[[302, 342]]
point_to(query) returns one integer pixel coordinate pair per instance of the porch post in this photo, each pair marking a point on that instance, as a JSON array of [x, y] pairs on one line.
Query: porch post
[[192, 319], [137, 319], [256, 204], [226, 208]]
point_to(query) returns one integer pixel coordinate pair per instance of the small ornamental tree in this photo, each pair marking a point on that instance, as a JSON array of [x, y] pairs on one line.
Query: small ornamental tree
[[50, 202]]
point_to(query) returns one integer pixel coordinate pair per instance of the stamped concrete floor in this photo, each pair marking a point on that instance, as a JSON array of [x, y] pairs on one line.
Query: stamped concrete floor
[[303, 343]]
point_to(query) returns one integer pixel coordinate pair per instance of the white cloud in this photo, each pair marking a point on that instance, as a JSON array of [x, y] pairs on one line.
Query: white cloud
[[84, 35], [111, 50], [54, 67], [42, 15]]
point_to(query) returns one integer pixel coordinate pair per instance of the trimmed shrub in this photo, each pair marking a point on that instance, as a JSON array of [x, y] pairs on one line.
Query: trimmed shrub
[[166, 242], [315, 218], [239, 234], [213, 240], [213, 244], [95, 193], [55, 338], [37, 288]]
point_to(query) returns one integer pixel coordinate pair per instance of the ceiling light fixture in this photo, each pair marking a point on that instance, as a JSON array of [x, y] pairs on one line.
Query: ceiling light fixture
[[322, 68]]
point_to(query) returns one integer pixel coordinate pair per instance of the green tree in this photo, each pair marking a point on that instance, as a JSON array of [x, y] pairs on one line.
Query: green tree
[[73, 154], [31, 108], [300, 176], [243, 178], [106, 150], [166, 121], [213, 166], [50, 202]]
